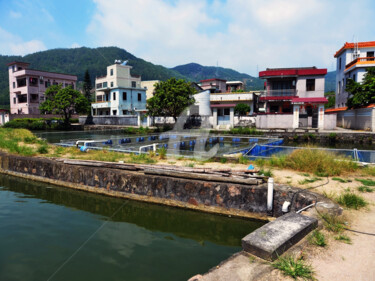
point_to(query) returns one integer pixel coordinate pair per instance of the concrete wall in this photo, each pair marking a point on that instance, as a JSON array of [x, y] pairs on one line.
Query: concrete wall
[[23, 116], [245, 121], [301, 87], [204, 195], [358, 119], [330, 121], [130, 120], [270, 121]]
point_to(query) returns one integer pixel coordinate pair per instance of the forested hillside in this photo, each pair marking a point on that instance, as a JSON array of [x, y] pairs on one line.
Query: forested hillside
[[197, 72]]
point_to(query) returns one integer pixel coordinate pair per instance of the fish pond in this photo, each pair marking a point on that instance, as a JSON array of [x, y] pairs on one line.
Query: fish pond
[[54, 233]]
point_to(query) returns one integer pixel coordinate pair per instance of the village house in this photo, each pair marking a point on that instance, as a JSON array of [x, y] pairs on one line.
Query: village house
[[119, 92], [351, 62], [27, 86], [293, 98]]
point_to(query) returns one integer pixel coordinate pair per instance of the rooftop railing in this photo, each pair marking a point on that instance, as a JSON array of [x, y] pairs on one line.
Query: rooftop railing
[[363, 60], [279, 93]]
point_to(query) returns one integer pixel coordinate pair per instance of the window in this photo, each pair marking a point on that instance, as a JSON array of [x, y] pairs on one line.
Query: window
[[72, 85], [21, 82], [47, 84], [339, 63], [111, 72], [370, 55], [354, 77], [114, 112], [22, 99], [125, 112], [114, 96], [134, 84], [105, 84], [139, 97], [339, 87], [226, 111], [34, 98], [14, 100], [111, 84], [55, 83], [310, 84], [124, 96], [33, 81], [14, 85]]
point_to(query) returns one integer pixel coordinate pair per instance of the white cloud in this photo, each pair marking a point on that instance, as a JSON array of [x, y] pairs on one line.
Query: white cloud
[[15, 15], [14, 45], [75, 45], [240, 34]]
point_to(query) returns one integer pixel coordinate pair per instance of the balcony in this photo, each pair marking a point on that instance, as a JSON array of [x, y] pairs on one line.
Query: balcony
[[360, 62], [101, 104], [279, 93]]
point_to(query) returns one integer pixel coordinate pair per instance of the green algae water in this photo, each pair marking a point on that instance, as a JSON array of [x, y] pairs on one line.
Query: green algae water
[[54, 233]]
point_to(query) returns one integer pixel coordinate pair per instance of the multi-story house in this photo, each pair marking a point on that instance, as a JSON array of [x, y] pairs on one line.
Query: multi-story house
[[119, 92], [296, 95], [351, 63], [27, 86]]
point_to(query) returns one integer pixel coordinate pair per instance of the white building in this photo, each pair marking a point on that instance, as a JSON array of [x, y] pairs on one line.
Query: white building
[[119, 92], [352, 60]]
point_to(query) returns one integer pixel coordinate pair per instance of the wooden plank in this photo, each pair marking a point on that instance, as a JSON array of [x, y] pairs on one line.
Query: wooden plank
[[205, 177]]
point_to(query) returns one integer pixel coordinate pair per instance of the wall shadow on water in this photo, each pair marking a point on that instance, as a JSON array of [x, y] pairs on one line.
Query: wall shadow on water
[[188, 224]]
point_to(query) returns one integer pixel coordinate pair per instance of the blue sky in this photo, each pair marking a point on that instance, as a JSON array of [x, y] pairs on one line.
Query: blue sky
[[246, 35]]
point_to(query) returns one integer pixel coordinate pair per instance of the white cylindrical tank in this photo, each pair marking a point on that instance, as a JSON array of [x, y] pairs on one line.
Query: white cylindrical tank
[[202, 99]]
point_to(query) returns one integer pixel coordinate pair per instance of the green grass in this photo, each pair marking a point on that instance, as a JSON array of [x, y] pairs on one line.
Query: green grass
[[333, 223], [295, 268], [343, 238], [340, 180], [266, 173], [191, 165], [309, 180], [162, 152], [243, 160], [319, 162], [367, 182], [352, 201], [43, 149], [317, 238], [223, 160], [141, 159], [364, 188]]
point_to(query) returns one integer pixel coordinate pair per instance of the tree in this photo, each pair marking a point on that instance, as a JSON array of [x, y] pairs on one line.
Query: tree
[[171, 97], [63, 101], [87, 90], [241, 109], [362, 94]]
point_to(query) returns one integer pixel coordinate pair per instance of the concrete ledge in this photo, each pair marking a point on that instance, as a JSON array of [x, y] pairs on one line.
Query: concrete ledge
[[274, 238]]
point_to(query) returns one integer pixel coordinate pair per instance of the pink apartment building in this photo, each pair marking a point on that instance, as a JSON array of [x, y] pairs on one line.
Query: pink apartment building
[[27, 86]]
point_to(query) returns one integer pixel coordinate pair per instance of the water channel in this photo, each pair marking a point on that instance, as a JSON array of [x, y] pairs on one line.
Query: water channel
[[54, 233]]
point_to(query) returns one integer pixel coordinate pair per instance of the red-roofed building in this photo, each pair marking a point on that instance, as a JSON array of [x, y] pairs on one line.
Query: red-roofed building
[[352, 61], [296, 93]]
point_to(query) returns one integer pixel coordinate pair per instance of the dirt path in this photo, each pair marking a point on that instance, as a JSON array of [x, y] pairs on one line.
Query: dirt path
[[350, 262]]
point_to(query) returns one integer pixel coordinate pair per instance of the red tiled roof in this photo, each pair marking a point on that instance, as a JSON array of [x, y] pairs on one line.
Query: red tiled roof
[[310, 100], [303, 71], [17, 62], [213, 79], [277, 98], [351, 46]]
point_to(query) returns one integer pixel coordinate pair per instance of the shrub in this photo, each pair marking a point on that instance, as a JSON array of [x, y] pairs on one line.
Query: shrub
[[243, 160], [223, 160], [317, 238], [162, 152], [266, 173], [294, 268], [43, 149], [351, 200]]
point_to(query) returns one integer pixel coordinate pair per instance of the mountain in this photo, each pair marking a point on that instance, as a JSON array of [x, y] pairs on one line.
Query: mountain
[[330, 84], [197, 72], [76, 61]]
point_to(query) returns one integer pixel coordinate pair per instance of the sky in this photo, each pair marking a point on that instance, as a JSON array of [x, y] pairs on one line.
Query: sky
[[245, 35]]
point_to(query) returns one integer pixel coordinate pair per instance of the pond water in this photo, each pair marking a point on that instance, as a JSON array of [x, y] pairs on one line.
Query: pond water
[[54, 233]]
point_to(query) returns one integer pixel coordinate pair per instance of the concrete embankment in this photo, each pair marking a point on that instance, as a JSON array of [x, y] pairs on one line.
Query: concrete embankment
[[237, 197]]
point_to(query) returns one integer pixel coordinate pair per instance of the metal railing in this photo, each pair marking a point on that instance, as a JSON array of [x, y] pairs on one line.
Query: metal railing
[[279, 93]]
